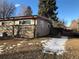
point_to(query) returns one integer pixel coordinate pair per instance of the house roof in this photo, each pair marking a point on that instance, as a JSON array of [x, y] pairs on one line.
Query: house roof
[[34, 17], [18, 18]]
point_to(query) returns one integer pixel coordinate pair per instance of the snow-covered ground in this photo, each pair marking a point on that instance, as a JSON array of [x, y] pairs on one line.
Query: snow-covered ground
[[54, 45]]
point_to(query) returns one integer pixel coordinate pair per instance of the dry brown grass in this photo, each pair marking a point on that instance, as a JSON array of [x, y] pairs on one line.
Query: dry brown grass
[[34, 51], [72, 48]]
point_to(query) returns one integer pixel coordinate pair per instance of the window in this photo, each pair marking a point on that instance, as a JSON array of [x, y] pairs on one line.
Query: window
[[8, 22], [0, 23], [26, 22], [16, 22]]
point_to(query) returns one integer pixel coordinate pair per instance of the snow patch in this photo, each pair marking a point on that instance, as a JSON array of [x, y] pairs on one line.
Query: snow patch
[[30, 43], [18, 44], [13, 45], [10, 47], [54, 45], [4, 43]]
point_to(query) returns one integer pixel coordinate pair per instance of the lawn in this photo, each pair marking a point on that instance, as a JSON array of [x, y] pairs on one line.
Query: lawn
[[32, 49]]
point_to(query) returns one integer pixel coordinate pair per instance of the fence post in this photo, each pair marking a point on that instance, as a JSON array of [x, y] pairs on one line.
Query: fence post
[[34, 28], [54, 55], [13, 28]]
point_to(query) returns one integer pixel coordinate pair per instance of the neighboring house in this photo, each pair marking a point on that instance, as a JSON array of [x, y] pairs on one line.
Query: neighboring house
[[25, 26], [75, 25]]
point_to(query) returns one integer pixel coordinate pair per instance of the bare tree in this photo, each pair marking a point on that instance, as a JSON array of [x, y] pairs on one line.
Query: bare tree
[[26, 11], [6, 9]]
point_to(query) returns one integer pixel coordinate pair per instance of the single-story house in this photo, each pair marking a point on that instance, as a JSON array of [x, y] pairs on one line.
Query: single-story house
[[24, 26]]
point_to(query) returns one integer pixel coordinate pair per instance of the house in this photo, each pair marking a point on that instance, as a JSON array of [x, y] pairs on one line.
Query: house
[[75, 25], [25, 26]]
